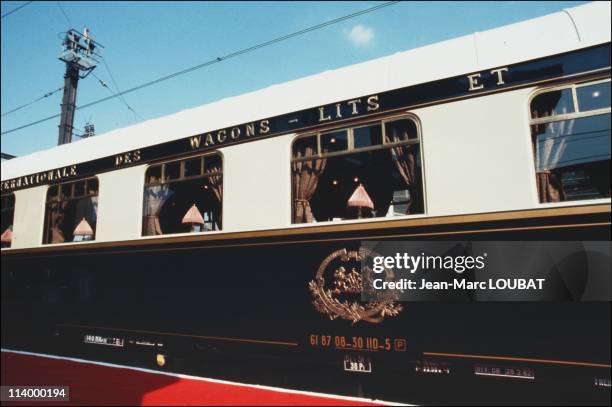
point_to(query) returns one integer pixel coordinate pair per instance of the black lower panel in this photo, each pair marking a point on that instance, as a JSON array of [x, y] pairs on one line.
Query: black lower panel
[[246, 313]]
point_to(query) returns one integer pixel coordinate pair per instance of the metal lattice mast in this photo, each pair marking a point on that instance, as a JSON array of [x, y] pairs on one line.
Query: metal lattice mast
[[78, 55]]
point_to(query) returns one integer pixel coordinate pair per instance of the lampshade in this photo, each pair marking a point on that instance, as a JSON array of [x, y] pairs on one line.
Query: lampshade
[[83, 229], [193, 216], [7, 236], [360, 199]]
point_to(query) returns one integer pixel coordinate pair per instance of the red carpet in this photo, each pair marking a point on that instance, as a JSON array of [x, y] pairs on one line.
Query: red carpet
[[92, 384]]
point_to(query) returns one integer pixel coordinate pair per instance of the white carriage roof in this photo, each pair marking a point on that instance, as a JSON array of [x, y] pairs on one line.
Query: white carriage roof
[[570, 29]]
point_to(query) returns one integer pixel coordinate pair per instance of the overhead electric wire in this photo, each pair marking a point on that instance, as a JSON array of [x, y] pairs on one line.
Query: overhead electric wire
[[214, 61], [46, 95], [105, 85], [17, 8], [117, 87], [64, 13]]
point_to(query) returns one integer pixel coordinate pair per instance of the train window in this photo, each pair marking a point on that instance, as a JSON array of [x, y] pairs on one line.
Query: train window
[[172, 170], [336, 141], [8, 213], [368, 171], [193, 167], [593, 97], [572, 146], [401, 130], [153, 174], [182, 202], [367, 136], [71, 212], [66, 190], [553, 103], [305, 147]]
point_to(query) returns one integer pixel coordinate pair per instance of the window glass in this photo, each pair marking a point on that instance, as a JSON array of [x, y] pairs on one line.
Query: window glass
[[367, 136], [8, 212], [172, 170], [592, 97], [193, 167], [336, 141], [572, 157], [52, 192], [71, 217], [79, 189], [188, 203], [66, 190], [576, 153], [92, 186], [305, 147], [212, 163], [552, 103], [401, 130], [379, 182], [153, 174]]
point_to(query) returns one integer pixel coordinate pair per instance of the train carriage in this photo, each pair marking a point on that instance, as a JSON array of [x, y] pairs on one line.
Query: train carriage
[[197, 242]]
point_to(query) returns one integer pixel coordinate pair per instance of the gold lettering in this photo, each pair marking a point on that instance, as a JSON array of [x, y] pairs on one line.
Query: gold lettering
[[235, 133], [250, 129], [209, 140], [43, 177], [58, 174], [500, 79], [12, 183], [264, 126], [322, 117], [473, 79], [73, 170], [137, 155], [18, 183], [64, 172], [118, 160], [353, 103], [338, 110], [195, 142], [373, 103], [221, 136]]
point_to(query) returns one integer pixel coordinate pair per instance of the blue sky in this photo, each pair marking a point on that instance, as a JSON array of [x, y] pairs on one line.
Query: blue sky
[[147, 40]]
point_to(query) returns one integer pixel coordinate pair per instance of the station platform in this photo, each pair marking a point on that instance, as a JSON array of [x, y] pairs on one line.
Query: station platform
[[97, 383]]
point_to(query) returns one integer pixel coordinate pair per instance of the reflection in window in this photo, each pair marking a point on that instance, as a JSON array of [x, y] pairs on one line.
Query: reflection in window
[[593, 97], [377, 173], [553, 103], [572, 153], [332, 142], [183, 196], [71, 212], [8, 213], [367, 136]]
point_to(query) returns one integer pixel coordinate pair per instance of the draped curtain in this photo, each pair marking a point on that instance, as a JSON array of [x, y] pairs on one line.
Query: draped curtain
[[55, 219], [216, 185], [405, 162], [306, 176], [154, 199], [405, 159], [548, 153]]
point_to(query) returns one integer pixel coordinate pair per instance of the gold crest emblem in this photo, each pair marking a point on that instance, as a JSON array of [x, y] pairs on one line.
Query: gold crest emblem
[[342, 299]]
